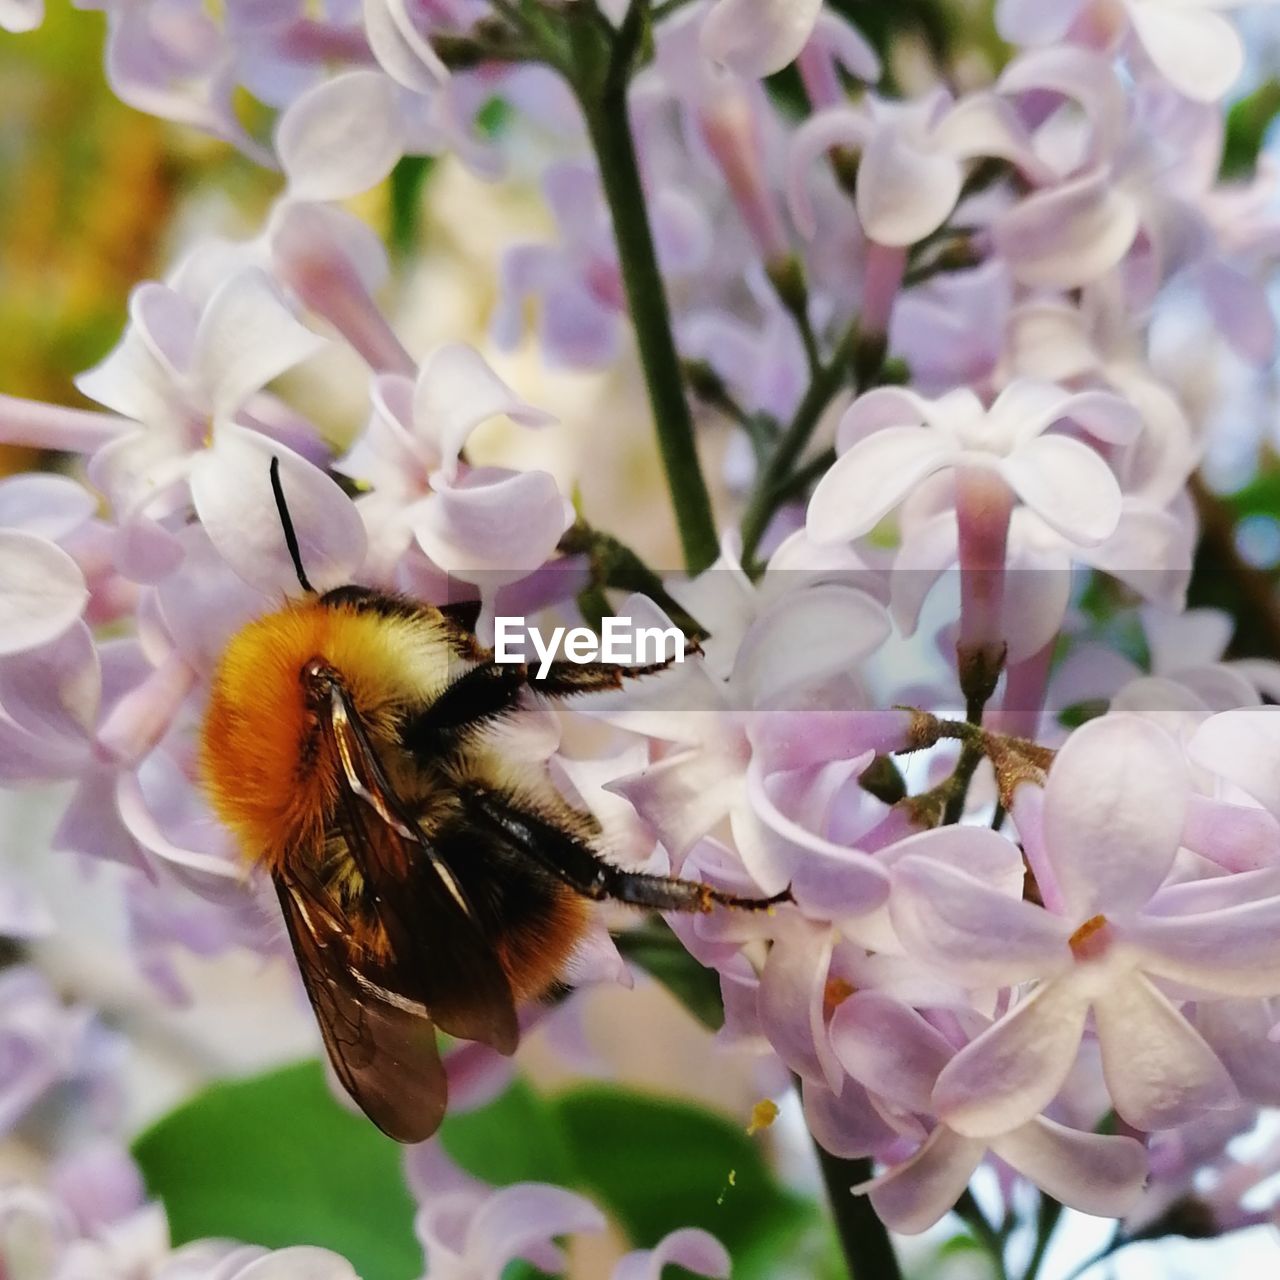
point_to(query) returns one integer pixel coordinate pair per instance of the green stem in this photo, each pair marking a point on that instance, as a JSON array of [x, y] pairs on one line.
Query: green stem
[[614, 564], [968, 1209], [868, 1251], [1046, 1221], [802, 477], [765, 499], [957, 786], [600, 80]]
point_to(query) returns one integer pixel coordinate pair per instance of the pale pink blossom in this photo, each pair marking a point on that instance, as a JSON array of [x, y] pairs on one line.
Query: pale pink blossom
[[758, 37], [897, 1054], [1101, 842]]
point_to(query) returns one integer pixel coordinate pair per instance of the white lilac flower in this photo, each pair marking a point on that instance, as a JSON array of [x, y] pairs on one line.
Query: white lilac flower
[[758, 37], [836, 45], [21, 15], [709, 719], [44, 1043], [576, 282], [912, 158], [693, 1249], [897, 1054], [181, 371], [891, 439], [489, 526], [1189, 42], [42, 591], [344, 135], [1101, 845], [94, 1220], [325, 259]]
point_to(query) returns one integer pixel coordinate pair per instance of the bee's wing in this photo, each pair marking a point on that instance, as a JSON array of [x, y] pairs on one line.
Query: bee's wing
[[440, 955], [382, 1046]]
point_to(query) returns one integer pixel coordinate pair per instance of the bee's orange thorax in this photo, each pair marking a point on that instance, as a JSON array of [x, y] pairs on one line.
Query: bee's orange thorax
[[270, 772]]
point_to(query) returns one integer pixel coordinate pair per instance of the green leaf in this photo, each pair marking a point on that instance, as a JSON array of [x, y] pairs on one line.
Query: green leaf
[[276, 1161], [1261, 496], [404, 211], [653, 1164], [661, 955], [516, 1138], [658, 1165], [1247, 125]]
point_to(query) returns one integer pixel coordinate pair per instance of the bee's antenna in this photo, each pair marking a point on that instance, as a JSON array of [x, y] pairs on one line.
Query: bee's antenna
[[286, 523]]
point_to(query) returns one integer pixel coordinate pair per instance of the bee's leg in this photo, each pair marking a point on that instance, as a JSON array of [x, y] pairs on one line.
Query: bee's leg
[[564, 679], [483, 693], [583, 870], [491, 689]]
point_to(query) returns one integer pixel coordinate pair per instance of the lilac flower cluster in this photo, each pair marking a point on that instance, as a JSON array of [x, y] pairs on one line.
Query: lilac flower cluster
[[93, 1219], [1035, 885]]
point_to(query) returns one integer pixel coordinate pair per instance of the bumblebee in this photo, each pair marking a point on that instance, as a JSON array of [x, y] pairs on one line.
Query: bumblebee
[[352, 745]]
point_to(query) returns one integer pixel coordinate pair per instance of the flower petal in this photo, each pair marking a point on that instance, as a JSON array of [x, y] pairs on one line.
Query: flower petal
[[207, 604], [846, 1124], [833, 127], [42, 591], [48, 506], [1083, 75], [55, 691], [867, 482], [1027, 407], [91, 824], [1093, 1172], [21, 15], [1238, 1032], [889, 1049], [456, 391], [691, 1248], [1243, 746], [904, 192], [1237, 837], [341, 137], [1233, 951], [231, 488], [1199, 53], [1035, 21], [901, 407], [494, 526], [527, 1214], [1067, 485], [1114, 810], [791, 997], [247, 337], [755, 38], [1241, 310], [401, 52], [683, 797], [924, 554], [1069, 235], [826, 878], [299, 1262], [1011, 1072], [979, 936], [844, 627], [1159, 1071], [913, 1195]]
